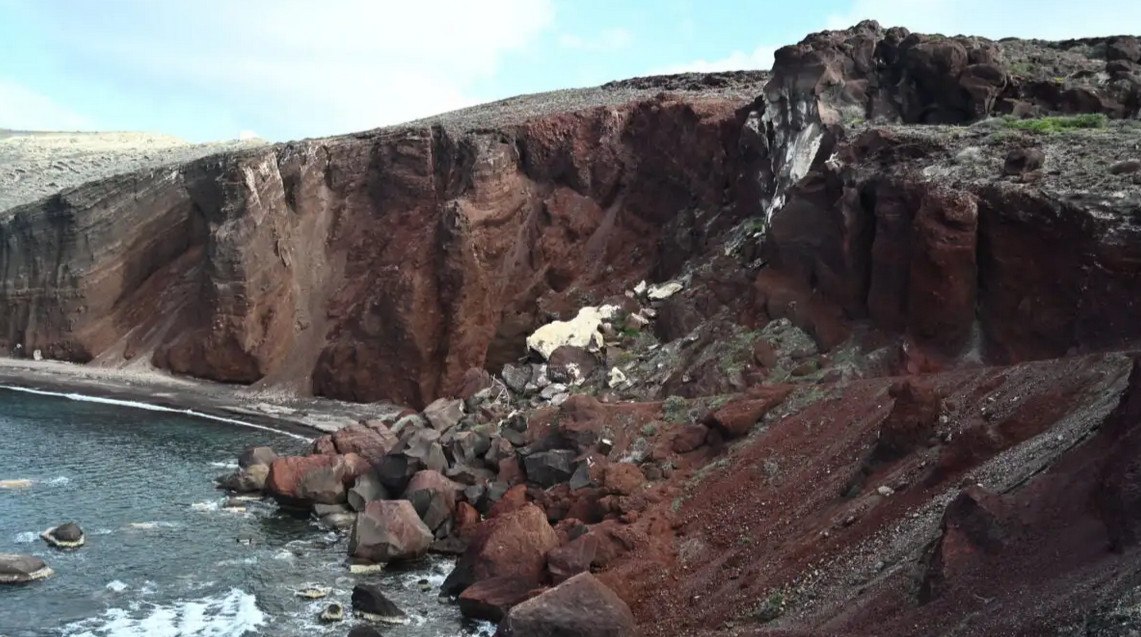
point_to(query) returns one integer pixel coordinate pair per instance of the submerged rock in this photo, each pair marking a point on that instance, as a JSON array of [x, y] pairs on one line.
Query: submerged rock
[[65, 536], [370, 603], [314, 592], [18, 569]]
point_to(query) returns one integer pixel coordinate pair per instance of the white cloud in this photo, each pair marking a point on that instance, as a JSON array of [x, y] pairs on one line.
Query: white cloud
[[759, 58], [1044, 19], [607, 40], [247, 134], [22, 108], [346, 65]]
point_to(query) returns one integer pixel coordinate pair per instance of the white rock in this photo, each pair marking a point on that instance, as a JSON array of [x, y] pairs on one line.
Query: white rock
[[885, 491], [616, 378], [664, 291], [581, 331], [640, 289]]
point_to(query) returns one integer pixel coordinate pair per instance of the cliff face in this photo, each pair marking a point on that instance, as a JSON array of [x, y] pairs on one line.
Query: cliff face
[[375, 266], [885, 204]]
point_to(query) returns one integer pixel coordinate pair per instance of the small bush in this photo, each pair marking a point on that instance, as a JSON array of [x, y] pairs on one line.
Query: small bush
[[1057, 124]]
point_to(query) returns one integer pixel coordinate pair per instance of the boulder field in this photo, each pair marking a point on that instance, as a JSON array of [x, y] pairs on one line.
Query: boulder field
[[852, 347]]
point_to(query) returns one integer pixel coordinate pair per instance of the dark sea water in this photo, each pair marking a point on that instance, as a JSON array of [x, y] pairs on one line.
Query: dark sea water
[[163, 559]]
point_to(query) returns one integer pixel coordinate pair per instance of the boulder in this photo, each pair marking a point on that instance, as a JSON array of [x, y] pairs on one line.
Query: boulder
[[582, 606], [366, 489], [324, 445], [364, 630], [572, 558], [389, 531], [369, 442], [1021, 161], [507, 500], [333, 613], [468, 447], [248, 480], [548, 468], [370, 603], [18, 569], [581, 331], [689, 438], [395, 470], [256, 455], [444, 413], [433, 496], [491, 599], [475, 380], [622, 478], [738, 418], [571, 365], [300, 481], [468, 475], [65, 536], [516, 377], [511, 545]]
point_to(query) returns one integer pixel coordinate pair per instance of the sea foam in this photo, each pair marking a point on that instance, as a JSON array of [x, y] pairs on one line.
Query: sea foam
[[231, 614]]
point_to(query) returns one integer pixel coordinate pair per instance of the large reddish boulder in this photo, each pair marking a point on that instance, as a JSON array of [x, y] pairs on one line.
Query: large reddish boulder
[[738, 418], [582, 606], [389, 531], [433, 496], [370, 442], [315, 479], [512, 545]]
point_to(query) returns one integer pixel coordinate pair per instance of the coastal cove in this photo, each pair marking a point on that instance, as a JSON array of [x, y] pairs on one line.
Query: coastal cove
[[163, 555]]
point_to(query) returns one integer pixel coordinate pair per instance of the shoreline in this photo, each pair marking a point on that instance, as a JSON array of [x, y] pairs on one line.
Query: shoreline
[[148, 388]]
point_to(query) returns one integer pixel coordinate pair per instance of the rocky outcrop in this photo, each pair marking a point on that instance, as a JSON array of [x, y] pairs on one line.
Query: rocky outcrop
[[301, 481], [65, 536], [382, 265], [20, 569]]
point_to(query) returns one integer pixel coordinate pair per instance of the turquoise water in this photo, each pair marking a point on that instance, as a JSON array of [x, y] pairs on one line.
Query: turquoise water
[[163, 559]]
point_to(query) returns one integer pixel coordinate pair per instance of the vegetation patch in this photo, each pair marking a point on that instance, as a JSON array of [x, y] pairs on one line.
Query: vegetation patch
[[1058, 123]]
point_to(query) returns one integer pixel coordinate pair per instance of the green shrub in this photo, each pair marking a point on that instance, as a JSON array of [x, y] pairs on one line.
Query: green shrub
[[1059, 123]]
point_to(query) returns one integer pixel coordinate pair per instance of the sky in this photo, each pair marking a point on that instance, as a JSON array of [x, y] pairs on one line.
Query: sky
[[289, 69]]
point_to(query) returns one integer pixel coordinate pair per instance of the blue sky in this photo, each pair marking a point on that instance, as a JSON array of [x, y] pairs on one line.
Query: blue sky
[[288, 69]]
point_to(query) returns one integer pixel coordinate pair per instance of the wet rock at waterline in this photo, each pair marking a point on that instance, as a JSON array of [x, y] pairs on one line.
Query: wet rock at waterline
[[65, 536], [314, 592], [20, 569], [370, 603], [333, 613], [388, 531], [250, 479], [254, 456]]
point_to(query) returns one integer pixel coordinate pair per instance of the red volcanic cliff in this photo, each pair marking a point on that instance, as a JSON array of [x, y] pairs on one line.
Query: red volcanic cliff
[[890, 387], [379, 265]]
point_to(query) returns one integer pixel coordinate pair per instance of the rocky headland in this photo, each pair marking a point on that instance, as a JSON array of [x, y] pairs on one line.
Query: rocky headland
[[850, 347]]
